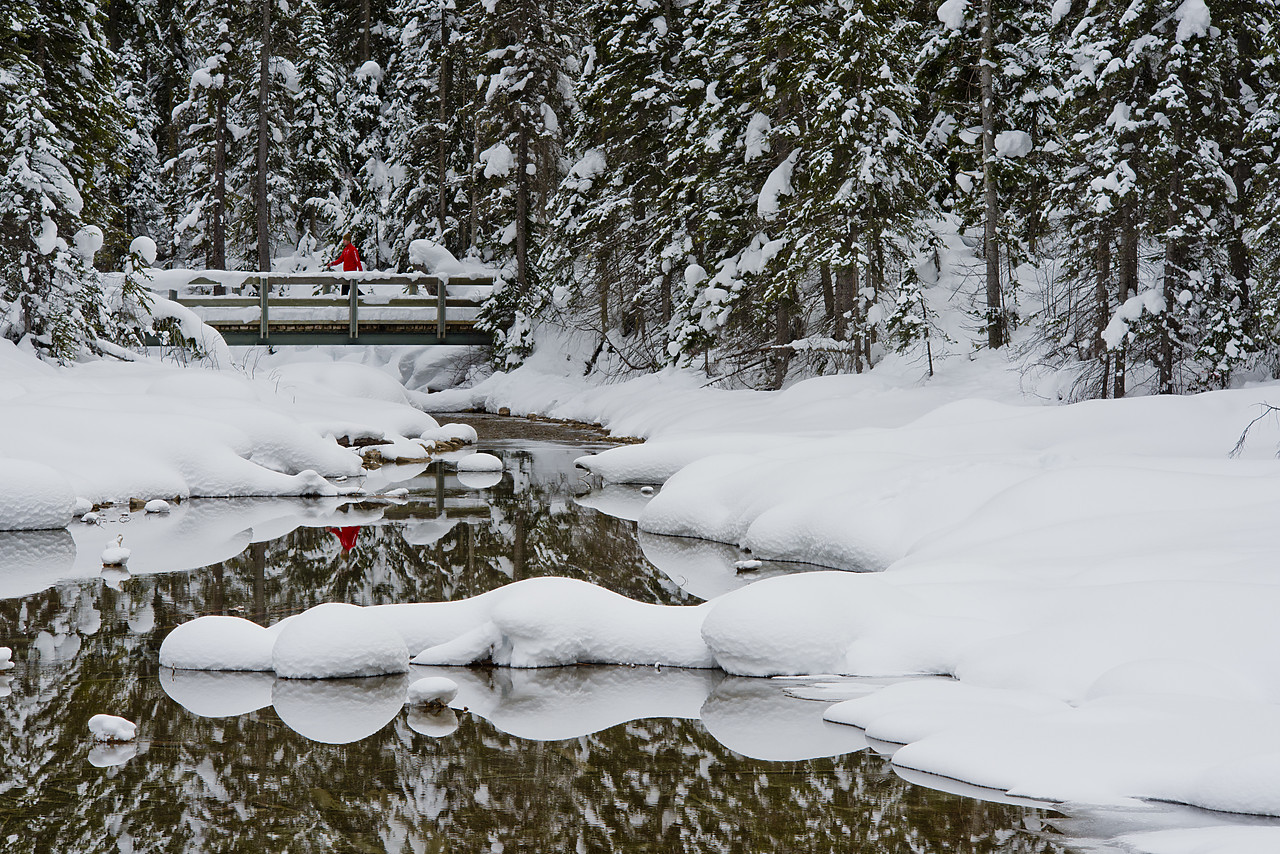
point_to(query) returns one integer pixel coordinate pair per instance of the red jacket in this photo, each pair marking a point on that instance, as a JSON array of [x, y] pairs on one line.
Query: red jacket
[[350, 259], [346, 536]]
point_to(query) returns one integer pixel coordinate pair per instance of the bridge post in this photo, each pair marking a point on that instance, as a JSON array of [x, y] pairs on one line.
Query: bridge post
[[354, 293], [264, 289], [440, 307]]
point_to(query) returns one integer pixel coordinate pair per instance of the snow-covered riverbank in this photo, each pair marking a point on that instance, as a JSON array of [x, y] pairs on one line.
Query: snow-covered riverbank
[[1096, 580]]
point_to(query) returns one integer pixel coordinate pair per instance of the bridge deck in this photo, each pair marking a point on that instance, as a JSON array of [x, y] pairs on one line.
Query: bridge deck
[[297, 309]]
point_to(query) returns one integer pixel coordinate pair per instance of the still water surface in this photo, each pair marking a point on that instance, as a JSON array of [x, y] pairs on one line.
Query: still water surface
[[586, 759]]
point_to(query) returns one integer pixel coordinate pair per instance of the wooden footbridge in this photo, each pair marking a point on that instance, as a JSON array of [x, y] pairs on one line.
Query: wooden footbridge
[[283, 309]]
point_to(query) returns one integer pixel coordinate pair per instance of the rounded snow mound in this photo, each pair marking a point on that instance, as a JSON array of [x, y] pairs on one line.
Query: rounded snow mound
[[434, 258], [433, 691], [34, 497], [337, 641], [480, 462], [219, 643], [112, 728]]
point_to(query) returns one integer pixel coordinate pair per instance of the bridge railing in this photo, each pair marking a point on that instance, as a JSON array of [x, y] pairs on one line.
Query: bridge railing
[[388, 307]]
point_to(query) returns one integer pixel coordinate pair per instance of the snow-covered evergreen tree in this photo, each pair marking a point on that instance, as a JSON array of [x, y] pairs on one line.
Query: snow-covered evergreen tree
[[60, 138], [318, 192], [431, 124]]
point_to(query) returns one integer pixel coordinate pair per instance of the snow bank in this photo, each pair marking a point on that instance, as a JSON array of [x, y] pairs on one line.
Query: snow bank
[[113, 431], [337, 641], [33, 497], [538, 622]]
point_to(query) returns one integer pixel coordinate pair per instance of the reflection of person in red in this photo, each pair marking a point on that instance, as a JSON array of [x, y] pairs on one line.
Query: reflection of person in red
[[346, 536], [349, 258]]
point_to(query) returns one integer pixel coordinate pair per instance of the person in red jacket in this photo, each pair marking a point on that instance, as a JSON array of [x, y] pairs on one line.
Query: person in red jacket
[[349, 257]]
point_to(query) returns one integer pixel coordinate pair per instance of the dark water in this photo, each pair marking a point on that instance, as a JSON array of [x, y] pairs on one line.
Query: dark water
[[588, 759]]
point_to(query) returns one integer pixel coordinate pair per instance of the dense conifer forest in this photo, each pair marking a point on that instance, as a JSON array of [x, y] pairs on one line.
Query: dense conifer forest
[[760, 187]]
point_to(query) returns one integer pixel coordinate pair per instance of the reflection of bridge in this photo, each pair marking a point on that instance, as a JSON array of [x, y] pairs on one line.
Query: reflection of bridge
[[385, 308], [452, 500]]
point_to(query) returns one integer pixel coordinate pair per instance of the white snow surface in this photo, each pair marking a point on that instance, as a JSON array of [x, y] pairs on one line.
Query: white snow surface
[[112, 728], [433, 691], [33, 496], [112, 431], [1087, 584], [480, 462], [1193, 20], [337, 641]]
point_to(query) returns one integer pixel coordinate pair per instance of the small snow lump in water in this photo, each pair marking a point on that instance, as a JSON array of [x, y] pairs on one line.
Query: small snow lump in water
[[432, 691]]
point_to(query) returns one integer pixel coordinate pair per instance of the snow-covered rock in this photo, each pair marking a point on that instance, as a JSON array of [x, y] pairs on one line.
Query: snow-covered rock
[[480, 462], [450, 434], [157, 506], [337, 641], [433, 691], [115, 554], [112, 728], [6, 658]]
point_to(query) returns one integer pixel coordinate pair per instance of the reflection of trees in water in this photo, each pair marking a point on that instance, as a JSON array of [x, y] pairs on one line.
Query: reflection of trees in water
[[249, 783]]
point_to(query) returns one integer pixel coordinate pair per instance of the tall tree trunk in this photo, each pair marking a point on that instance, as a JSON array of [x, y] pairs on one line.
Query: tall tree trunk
[[990, 246], [1174, 267], [264, 98], [366, 27], [828, 293], [1126, 284], [442, 146], [781, 337], [666, 298], [1238, 254], [216, 256], [1102, 299], [522, 209], [473, 218]]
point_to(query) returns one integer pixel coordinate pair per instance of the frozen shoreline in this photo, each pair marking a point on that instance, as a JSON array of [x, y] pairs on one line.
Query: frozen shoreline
[[1095, 580]]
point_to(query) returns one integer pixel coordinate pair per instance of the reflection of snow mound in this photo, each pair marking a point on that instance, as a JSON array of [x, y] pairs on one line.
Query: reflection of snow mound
[[338, 712], [617, 500], [31, 560], [701, 567], [107, 755], [436, 723], [215, 694], [480, 462], [337, 641], [561, 703], [427, 532], [479, 479], [756, 718]]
